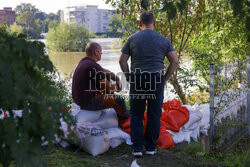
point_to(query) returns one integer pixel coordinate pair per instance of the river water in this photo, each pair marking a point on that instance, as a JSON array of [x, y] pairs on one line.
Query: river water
[[66, 62]]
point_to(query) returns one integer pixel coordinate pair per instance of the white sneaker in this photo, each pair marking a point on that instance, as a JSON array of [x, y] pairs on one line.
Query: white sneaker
[[137, 154], [151, 152]]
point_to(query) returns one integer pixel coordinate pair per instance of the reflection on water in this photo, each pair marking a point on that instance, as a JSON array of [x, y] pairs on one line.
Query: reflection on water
[[66, 62]]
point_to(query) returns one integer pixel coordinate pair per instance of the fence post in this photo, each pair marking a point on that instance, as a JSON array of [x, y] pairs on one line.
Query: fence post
[[248, 93], [211, 129]]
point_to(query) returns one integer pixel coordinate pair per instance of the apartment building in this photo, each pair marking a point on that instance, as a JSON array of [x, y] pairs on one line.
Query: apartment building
[[97, 20], [7, 15]]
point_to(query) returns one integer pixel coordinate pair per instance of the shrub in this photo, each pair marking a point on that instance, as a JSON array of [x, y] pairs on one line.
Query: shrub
[[68, 37], [26, 84]]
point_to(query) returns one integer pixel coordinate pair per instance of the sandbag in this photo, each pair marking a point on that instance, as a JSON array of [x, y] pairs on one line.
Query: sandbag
[[92, 139], [87, 116], [195, 134], [194, 119], [179, 137], [204, 124], [108, 119], [165, 140], [117, 136]]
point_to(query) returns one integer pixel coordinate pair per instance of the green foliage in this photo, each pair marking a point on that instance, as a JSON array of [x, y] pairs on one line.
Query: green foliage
[[116, 23], [53, 24], [239, 160], [26, 84], [25, 7], [15, 29], [68, 37], [26, 18], [222, 39]]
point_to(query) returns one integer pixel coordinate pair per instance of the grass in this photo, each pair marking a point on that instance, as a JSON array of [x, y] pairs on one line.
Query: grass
[[183, 155]]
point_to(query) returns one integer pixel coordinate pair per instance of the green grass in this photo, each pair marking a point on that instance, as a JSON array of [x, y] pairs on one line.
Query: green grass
[[182, 155]]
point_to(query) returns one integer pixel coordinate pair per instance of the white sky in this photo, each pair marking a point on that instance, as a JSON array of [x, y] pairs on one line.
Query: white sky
[[53, 5]]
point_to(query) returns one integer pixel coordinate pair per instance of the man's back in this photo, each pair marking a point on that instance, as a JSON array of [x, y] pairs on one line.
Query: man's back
[[148, 50], [85, 81]]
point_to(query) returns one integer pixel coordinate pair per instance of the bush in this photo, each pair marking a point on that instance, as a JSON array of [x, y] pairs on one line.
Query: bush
[[26, 84], [68, 37]]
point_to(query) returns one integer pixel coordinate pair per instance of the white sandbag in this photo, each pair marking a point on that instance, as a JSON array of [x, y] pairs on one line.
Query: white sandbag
[[181, 136], [117, 133], [204, 109], [194, 119], [115, 142], [87, 116], [108, 119], [117, 137], [95, 145], [74, 109], [92, 139], [195, 134]]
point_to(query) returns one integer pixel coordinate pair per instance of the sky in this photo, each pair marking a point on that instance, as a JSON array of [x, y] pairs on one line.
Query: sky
[[53, 5]]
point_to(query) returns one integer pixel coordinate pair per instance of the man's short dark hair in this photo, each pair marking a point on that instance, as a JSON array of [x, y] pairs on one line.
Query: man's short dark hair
[[147, 18], [91, 47]]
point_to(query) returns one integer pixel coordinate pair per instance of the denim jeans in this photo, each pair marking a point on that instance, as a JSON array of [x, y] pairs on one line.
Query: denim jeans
[[144, 88]]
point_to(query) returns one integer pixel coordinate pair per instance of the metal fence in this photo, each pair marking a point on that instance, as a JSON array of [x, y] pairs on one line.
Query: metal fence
[[229, 104]]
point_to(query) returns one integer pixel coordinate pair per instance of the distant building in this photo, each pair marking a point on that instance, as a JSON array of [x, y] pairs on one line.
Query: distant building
[[7, 15], [97, 20]]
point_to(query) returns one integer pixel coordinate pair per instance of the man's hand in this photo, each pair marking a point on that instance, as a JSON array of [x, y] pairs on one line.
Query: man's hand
[[173, 60], [118, 85]]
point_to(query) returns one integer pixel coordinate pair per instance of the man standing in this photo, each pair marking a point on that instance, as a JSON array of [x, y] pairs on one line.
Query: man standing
[[147, 50], [91, 87]]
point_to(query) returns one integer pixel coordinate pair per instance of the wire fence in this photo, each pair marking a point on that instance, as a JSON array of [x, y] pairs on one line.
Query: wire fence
[[229, 104]]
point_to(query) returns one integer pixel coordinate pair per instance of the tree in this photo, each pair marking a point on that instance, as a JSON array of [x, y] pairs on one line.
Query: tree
[[116, 23], [68, 37], [26, 84], [14, 28], [25, 7], [26, 18], [222, 38], [53, 24]]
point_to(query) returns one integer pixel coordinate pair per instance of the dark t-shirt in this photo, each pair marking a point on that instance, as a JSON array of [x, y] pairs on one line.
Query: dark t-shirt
[[85, 84], [148, 50]]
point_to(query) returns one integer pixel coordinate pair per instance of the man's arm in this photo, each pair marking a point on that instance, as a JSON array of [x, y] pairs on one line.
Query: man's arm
[[173, 60], [107, 87], [112, 76], [124, 65]]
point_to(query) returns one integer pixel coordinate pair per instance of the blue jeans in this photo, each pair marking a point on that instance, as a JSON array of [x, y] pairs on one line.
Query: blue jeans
[[144, 88]]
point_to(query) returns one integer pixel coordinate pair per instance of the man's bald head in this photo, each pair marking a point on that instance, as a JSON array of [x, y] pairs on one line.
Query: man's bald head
[[91, 48]]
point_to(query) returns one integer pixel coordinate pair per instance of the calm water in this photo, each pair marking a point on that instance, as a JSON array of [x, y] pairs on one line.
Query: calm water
[[66, 62]]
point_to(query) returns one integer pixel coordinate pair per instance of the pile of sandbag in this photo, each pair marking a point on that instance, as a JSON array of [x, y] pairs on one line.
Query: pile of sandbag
[[178, 123], [96, 131]]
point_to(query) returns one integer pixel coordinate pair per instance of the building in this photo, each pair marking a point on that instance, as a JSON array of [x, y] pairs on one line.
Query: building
[[97, 20], [7, 15]]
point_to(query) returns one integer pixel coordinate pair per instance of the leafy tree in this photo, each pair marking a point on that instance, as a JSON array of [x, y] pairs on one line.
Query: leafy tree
[[27, 18], [222, 39], [14, 28], [116, 23], [53, 24], [26, 84], [25, 7], [68, 37]]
